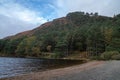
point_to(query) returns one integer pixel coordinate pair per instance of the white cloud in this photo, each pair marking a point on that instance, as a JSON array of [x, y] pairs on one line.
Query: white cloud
[[15, 18], [17, 11], [10, 26], [103, 7], [30, 17]]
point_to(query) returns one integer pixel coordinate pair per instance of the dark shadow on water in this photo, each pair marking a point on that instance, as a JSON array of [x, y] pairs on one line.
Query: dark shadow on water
[[16, 66]]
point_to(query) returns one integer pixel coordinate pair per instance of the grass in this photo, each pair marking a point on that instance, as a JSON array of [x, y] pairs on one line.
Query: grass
[[77, 55]]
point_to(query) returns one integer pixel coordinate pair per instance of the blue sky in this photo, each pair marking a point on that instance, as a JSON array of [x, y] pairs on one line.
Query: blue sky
[[22, 15]]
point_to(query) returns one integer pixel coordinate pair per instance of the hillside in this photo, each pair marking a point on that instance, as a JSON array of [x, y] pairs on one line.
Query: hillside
[[78, 31], [60, 21]]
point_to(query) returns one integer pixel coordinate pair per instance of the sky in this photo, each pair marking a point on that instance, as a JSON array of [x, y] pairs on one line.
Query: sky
[[21, 15]]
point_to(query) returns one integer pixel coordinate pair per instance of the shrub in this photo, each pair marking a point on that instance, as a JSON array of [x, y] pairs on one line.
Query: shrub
[[109, 54], [57, 55], [116, 57], [95, 58]]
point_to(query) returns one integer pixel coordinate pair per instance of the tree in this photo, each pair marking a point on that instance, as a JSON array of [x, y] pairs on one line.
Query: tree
[[114, 45], [78, 31], [61, 46], [48, 40], [25, 47], [95, 41], [108, 34], [96, 14], [36, 51], [49, 48], [3, 44]]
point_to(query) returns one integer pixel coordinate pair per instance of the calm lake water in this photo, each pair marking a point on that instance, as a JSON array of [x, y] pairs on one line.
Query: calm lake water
[[15, 66]]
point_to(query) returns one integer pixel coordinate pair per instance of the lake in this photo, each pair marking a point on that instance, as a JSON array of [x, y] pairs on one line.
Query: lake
[[15, 66]]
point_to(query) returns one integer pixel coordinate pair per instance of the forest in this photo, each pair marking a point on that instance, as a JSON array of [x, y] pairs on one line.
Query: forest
[[97, 35]]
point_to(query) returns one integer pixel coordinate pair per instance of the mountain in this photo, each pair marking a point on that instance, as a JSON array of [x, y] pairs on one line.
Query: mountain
[[60, 21], [78, 31]]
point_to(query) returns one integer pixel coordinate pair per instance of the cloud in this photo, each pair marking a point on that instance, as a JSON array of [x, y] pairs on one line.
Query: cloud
[[15, 18], [10, 26], [15, 10], [103, 7], [21, 15]]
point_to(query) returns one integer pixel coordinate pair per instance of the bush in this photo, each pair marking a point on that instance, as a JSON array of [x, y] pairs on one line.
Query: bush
[[109, 54], [95, 58], [116, 57], [57, 55]]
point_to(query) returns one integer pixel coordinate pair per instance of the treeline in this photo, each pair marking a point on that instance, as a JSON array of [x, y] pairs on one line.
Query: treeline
[[78, 31]]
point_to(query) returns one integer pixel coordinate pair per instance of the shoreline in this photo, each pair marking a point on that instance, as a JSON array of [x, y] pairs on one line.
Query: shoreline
[[49, 74], [83, 59]]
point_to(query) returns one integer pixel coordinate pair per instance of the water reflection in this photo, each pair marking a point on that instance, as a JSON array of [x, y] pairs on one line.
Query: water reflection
[[15, 66]]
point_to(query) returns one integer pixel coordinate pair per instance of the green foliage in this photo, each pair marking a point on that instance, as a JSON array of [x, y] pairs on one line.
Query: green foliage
[[49, 48], [114, 45], [95, 41], [57, 55], [116, 57], [95, 58], [109, 55], [28, 47], [2, 45], [9, 46], [78, 31], [36, 51]]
